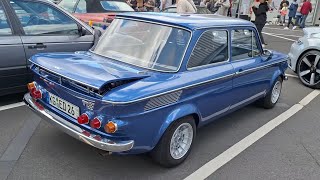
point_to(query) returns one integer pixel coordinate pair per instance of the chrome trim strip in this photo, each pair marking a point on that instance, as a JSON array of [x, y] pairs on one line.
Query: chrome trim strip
[[216, 114], [263, 93], [181, 88], [214, 64], [75, 131], [12, 68], [258, 68], [163, 24]]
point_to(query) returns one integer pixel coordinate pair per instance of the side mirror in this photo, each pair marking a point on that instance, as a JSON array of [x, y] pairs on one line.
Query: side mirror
[[82, 31], [267, 55]]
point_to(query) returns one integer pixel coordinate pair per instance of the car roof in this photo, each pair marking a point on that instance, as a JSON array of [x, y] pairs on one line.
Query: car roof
[[189, 21]]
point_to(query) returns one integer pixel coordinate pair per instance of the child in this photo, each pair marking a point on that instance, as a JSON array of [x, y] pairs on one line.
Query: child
[[284, 12], [292, 13]]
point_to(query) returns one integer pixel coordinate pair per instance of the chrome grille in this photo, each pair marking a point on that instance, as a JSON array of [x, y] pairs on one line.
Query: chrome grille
[[163, 100]]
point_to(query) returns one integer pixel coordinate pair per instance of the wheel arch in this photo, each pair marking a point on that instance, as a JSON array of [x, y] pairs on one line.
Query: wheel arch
[[176, 114]]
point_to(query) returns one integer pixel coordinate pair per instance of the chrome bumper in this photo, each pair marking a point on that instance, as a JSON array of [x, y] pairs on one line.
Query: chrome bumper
[[75, 131]]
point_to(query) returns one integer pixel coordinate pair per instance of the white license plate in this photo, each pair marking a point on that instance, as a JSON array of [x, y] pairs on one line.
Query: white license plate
[[64, 106]]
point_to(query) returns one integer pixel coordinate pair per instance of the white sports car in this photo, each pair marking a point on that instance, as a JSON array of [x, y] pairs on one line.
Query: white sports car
[[304, 57]]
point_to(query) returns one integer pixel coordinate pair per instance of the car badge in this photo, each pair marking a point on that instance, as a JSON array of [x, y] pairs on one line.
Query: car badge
[[88, 104]]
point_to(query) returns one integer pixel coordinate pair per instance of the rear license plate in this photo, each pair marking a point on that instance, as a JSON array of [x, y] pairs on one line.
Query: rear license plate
[[64, 106]]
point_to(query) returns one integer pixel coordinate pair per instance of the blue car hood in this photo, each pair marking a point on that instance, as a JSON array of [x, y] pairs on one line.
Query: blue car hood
[[87, 68]]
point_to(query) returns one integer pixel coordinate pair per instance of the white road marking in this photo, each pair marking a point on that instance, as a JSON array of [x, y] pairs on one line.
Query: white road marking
[[214, 164], [10, 106], [285, 35], [291, 75], [279, 37], [282, 29]]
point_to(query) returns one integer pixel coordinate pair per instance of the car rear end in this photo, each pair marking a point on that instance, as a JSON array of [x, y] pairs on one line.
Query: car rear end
[[68, 92]]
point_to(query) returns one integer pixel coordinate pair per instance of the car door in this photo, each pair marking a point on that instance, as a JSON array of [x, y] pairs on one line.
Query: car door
[[251, 79], [210, 60], [13, 61], [48, 29]]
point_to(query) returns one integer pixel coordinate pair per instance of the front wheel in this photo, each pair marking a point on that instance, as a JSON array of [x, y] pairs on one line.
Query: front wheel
[[175, 145], [272, 97]]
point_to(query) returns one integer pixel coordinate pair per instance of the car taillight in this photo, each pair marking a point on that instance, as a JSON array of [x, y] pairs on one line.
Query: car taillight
[[31, 86], [95, 123], [36, 94], [111, 127], [83, 119]]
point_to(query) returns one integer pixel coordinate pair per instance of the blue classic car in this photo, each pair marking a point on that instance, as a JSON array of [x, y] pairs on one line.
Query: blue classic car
[[153, 80]]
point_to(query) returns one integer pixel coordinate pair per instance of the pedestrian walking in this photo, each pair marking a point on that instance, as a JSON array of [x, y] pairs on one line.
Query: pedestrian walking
[[292, 13], [282, 4], [305, 10], [186, 6], [298, 16], [261, 17], [223, 5]]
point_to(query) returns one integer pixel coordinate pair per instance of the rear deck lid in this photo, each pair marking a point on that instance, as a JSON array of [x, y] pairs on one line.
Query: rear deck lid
[[86, 68]]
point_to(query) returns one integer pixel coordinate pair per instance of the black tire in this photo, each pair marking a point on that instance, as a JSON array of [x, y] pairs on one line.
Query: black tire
[[161, 153], [267, 102], [299, 70]]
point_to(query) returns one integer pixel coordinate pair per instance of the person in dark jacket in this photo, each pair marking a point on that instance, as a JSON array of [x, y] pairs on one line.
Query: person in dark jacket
[[261, 17], [292, 13]]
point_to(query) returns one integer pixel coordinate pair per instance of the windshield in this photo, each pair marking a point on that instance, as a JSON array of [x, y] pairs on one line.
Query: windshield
[[97, 6], [146, 45]]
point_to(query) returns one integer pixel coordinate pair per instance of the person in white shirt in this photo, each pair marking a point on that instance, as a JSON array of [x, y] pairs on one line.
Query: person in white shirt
[[186, 6], [165, 4]]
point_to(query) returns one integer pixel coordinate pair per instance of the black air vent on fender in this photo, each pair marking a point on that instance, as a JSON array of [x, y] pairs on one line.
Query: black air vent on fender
[[162, 100]]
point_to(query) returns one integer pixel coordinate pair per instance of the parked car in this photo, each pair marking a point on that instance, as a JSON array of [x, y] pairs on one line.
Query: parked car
[[28, 27], [154, 79], [200, 9], [99, 12], [304, 57]]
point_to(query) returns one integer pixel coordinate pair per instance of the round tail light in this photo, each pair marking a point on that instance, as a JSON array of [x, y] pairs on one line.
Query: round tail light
[[95, 123], [111, 127], [83, 119], [36, 94]]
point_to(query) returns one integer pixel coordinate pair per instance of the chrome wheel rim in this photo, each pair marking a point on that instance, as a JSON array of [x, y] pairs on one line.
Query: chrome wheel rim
[[276, 91], [181, 141], [309, 69]]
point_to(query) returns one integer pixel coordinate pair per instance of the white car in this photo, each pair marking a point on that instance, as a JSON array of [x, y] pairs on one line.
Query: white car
[[304, 57]]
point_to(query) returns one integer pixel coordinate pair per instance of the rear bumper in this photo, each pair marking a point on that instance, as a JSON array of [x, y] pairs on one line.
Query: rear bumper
[[75, 131]]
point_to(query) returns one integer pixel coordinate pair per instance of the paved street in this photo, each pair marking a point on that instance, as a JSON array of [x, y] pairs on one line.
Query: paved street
[[33, 149]]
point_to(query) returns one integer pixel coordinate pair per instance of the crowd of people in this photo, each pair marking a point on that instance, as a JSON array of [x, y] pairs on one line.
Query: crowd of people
[[295, 11]]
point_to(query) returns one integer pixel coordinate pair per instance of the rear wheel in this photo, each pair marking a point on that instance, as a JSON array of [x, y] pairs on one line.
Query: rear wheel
[[308, 69], [272, 97], [175, 145]]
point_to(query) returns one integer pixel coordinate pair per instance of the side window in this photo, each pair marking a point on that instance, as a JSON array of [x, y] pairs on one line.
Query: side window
[[4, 25], [81, 7], [244, 44], [212, 47], [42, 19], [68, 5]]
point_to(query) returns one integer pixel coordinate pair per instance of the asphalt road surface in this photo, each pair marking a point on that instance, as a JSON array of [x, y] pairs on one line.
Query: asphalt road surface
[[251, 143]]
